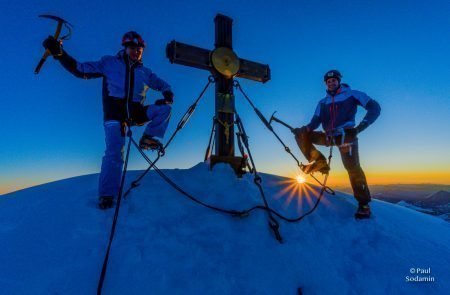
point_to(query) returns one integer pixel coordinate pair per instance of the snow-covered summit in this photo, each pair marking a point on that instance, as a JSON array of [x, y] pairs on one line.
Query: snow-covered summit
[[53, 240]]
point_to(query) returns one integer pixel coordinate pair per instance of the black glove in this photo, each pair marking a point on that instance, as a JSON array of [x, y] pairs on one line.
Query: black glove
[[54, 46], [168, 96], [351, 132], [362, 126], [160, 102], [301, 130]]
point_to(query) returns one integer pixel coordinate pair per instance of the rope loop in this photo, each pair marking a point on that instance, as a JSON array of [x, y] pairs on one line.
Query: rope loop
[[211, 79]]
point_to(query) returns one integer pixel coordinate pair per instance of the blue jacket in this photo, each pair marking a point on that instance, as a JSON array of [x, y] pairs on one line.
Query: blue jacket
[[338, 111], [124, 83]]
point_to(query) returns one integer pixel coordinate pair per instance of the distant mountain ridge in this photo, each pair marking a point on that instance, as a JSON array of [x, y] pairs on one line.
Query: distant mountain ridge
[[394, 193], [433, 199], [440, 198]]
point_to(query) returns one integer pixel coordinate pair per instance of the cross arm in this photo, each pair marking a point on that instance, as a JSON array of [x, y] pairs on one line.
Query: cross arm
[[253, 71], [188, 55]]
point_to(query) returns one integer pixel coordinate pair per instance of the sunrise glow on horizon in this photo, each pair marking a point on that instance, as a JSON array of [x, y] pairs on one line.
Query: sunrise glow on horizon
[[52, 123]]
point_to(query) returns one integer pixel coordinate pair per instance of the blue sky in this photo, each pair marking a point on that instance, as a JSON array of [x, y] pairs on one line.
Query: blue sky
[[396, 52]]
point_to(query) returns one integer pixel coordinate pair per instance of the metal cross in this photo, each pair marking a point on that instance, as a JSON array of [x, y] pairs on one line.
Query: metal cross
[[224, 64]]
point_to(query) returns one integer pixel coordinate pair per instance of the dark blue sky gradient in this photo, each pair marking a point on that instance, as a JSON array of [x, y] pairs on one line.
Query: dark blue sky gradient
[[396, 52]]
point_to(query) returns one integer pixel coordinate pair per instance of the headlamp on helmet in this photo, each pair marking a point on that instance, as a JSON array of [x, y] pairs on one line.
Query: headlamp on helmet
[[132, 39]]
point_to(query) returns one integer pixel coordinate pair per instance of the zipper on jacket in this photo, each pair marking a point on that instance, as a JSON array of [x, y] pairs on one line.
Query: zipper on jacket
[[130, 68]]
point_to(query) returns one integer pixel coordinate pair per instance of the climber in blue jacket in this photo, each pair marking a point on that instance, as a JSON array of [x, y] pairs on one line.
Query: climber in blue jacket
[[336, 112], [125, 83]]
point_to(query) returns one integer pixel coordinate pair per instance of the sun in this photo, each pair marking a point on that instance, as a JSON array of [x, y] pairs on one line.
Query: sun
[[300, 178]]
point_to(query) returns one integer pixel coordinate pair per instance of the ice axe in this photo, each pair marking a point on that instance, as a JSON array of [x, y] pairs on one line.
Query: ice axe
[[286, 148], [61, 22], [273, 118]]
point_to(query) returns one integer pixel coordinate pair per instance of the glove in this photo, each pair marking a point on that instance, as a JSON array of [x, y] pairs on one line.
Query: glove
[[53, 45], [301, 130], [160, 102], [168, 96], [351, 132], [362, 126]]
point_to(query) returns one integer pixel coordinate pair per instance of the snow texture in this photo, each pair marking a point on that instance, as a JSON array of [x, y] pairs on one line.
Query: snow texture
[[53, 240]]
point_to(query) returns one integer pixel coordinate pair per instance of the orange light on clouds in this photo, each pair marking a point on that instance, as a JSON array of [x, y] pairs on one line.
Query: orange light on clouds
[[340, 178], [406, 177]]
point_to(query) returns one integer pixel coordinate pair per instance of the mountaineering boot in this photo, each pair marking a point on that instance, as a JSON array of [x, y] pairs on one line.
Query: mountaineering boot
[[363, 212], [320, 165], [149, 143], [106, 202]]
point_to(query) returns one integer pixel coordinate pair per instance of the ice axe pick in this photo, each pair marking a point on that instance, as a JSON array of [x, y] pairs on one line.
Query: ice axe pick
[[61, 22]]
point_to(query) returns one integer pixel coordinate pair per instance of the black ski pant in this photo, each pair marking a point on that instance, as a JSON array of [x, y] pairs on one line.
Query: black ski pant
[[349, 154]]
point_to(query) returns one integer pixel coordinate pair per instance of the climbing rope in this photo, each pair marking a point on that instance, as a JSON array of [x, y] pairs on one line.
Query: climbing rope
[[116, 215], [273, 223], [187, 115], [243, 142], [237, 85]]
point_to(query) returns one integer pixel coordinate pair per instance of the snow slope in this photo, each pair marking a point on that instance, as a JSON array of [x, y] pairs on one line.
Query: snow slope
[[53, 240]]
